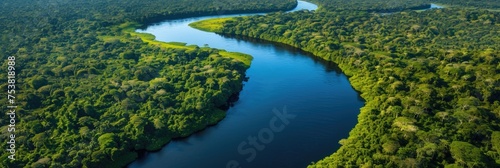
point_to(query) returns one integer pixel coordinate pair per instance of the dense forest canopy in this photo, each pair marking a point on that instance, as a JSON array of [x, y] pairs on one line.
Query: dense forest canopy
[[430, 79], [399, 5], [91, 92], [30, 19]]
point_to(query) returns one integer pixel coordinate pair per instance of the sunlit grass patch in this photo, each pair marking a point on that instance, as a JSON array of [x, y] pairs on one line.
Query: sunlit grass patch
[[129, 28], [210, 25], [245, 58]]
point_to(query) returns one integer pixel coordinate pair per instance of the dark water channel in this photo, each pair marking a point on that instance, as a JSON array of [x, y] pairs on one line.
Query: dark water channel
[[293, 110]]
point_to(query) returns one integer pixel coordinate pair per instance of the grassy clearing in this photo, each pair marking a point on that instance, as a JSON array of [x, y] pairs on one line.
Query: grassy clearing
[[129, 30], [245, 58], [210, 25], [149, 38]]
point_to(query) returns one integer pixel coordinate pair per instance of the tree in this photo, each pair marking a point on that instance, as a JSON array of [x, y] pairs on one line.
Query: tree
[[495, 140], [128, 104], [466, 154], [390, 147], [38, 82], [107, 140], [130, 55]]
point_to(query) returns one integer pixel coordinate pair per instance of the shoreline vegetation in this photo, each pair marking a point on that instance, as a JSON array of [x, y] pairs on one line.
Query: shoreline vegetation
[[162, 17], [418, 113], [210, 25], [130, 27], [94, 92]]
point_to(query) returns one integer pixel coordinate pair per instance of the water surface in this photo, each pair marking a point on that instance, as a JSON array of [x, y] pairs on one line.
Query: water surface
[[282, 78]]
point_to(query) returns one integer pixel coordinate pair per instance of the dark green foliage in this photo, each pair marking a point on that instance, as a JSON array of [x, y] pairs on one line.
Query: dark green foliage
[[91, 95], [38, 82], [375, 5], [130, 55], [430, 80], [400, 5], [488, 4]]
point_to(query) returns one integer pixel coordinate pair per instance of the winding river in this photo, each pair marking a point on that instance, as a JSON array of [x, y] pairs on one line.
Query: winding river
[[293, 110]]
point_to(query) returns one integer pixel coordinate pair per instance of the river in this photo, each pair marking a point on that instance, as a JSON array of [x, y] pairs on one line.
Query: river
[[292, 111]]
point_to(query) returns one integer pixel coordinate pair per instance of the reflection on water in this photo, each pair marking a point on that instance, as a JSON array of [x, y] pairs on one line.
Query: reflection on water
[[284, 81]]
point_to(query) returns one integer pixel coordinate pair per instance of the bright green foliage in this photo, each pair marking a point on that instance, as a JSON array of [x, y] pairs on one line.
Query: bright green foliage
[[400, 5], [466, 154], [210, 25], [107, 140], [91, 92], [495, 140], [430, 80]]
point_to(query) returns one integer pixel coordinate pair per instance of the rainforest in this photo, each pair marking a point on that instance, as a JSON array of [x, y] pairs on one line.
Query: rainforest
[[92, 91]]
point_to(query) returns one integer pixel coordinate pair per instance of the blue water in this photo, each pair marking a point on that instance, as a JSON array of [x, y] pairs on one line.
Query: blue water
[[434, 6], [281, 78]]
